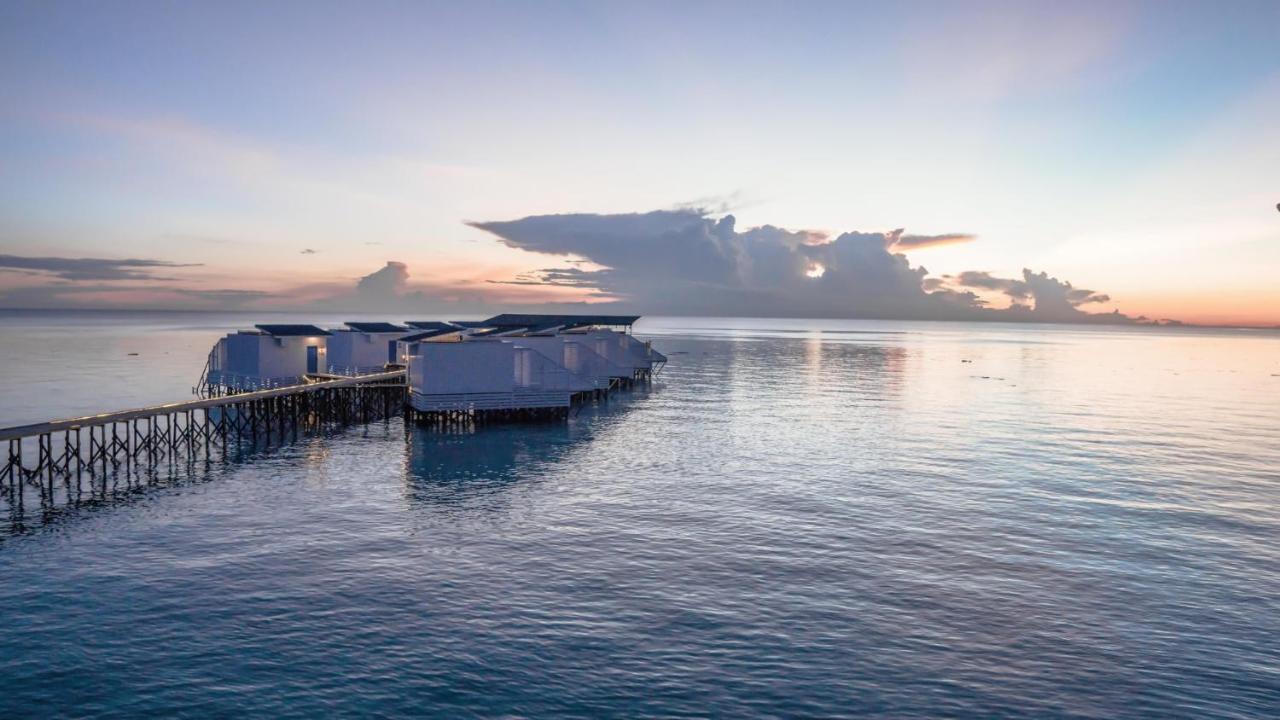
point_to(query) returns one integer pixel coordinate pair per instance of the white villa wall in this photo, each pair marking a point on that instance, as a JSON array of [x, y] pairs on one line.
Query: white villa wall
[[253, 360], [488, 375], [580, 358], [241, 354], [639, 353], [550, 345], [286, 357], [536, 370], [218, 358], [466, 367], [574, 354], [359, 351], [615, 348], [622, 349]]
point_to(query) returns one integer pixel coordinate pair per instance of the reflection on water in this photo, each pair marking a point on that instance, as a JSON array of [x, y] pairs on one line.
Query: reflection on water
[[801, 518], [458, 467]]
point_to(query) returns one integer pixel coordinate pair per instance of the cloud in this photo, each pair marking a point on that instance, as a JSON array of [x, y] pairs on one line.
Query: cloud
[[560, 277], [79, 269], [308, 251], [1054, 300], [715, 204], [53, 282], [389, 282], [388, 289], [917, 242], [77, 295], [232, 297], [1015, 289], [685, 262], [681, 262]]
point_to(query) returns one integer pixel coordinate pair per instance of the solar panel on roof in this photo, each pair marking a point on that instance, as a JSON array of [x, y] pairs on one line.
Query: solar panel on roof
[[292, 330], [566, 321], [429, 325], [376, 327], [425, 334]]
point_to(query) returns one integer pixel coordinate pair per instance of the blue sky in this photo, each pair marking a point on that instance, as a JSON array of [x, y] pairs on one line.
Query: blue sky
[[1128, 148]]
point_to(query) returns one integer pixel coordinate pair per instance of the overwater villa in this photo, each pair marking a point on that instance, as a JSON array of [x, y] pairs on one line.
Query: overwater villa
[[488, 374], [525, 362], [265, 357], [508, 363]]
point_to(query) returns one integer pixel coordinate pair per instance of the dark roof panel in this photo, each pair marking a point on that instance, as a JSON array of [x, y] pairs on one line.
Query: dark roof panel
[[292, 330], [429, 325], [376, 327], [470, 324], [425, 334], [565, 321]]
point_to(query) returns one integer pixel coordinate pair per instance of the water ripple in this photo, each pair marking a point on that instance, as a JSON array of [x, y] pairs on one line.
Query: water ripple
[[796, 520]]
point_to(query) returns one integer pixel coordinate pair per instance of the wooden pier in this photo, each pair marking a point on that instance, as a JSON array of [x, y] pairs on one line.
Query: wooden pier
[[53, 458]]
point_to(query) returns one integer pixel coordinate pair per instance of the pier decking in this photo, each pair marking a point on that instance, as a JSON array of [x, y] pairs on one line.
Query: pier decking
[[67, 450]]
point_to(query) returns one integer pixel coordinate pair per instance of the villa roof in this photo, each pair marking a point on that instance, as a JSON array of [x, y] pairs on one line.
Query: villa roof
[[430, 325], [540, 329], [510, 320], [292, 330], [376, 327], [427, 334]]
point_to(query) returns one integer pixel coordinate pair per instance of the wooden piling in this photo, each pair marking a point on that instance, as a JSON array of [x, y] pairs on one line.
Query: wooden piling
[[132, 442]]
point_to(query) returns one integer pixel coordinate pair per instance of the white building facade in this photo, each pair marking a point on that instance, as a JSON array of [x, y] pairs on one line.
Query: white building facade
[[270, 356], [363, 348], [486, 374]]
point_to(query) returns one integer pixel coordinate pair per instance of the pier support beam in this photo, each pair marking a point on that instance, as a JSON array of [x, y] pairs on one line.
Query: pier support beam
[[128, 445]]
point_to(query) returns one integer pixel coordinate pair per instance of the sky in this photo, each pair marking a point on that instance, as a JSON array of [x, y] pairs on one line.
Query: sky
[[1075, 162]]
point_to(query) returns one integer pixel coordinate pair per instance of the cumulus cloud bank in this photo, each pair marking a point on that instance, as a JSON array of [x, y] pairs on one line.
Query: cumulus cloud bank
[[392, 289], [684, 261]]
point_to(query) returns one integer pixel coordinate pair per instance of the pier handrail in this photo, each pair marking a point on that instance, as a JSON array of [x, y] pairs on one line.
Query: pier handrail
[[21, 431]]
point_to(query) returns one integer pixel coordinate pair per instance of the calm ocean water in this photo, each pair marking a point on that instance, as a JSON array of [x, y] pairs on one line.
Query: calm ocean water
[[799, 518]]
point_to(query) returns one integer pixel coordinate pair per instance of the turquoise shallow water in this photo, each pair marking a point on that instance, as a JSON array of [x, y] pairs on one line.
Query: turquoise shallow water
[[799, 518]]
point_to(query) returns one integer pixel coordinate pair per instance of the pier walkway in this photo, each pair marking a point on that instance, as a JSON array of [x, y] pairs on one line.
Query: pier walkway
[[40, 454]]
